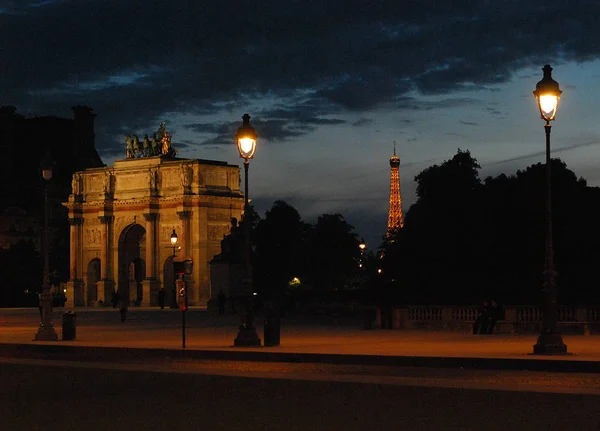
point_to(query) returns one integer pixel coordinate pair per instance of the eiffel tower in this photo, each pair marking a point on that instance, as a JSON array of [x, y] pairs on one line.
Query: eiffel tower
[[395, 218]]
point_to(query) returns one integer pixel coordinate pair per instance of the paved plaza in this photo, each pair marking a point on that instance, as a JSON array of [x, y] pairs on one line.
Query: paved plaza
[[303, 338]]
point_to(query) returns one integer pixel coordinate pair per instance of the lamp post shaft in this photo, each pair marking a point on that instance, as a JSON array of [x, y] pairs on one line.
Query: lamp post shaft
[[550, 318], [183, 320], [247, 263], [174, 287], [46, 245], [46, 330], [550, 340], [247, 335]]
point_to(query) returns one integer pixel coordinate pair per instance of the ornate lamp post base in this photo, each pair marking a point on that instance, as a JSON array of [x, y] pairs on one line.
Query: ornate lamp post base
[[550, 344], [247, 337], [46, 333]]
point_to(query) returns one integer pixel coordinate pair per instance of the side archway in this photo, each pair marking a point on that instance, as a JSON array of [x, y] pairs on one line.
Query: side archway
[[169, 283]]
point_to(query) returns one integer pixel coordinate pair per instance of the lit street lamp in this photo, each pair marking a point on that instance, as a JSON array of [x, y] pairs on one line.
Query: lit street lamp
[[246, 143], [46, 330], [547, 94], [174, 240]]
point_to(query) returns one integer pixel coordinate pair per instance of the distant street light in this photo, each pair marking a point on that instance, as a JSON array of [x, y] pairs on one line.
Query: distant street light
[[46, 331], [246, 143], [547, 94], [362, 247]]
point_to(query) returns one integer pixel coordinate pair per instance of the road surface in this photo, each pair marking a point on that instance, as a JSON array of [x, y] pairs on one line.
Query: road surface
[[232, 395]]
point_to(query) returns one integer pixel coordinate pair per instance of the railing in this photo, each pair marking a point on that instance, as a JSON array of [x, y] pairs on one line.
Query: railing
[[517, 313], [516, 318], [425, 313]]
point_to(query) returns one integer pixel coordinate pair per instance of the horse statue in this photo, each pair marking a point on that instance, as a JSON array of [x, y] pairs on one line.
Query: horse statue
[[136, 146], [128, 147], [146, 146], [154, 146]]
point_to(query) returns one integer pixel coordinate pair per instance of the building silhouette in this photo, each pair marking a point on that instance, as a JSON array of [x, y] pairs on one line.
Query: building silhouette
[[395, 217], [24, 142]]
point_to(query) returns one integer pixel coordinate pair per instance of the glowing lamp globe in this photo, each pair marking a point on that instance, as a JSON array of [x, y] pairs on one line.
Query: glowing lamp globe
[[246, 139], [547, 94]]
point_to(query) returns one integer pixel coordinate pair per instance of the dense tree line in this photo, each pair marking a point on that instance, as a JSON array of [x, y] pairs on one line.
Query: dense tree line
[[292, 258], [465, 239]]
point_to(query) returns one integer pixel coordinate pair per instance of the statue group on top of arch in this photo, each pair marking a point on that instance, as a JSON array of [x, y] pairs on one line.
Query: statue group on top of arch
[[160, 144]]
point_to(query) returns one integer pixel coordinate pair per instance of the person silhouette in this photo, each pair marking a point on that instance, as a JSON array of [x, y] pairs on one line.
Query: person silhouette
[[495, 314], [482, 322], [161, 298]]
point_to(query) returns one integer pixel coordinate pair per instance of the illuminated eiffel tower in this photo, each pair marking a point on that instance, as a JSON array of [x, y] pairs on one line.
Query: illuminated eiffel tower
[[395, 218]]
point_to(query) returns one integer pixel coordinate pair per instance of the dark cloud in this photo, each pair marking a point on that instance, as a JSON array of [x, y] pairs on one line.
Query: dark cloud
[[135, 62], [468, 123], [277, 124], [363, 122]]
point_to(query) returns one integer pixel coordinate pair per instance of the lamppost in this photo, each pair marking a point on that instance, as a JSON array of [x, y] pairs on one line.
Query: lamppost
[[547, 94], [174, 240], [246, 143], [46, 330]]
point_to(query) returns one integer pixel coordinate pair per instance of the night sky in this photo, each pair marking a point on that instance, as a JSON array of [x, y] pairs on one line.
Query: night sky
[[330, 86]]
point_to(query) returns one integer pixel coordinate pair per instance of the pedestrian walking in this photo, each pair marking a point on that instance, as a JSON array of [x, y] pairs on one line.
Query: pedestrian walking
[[161, 298], [122, 308]]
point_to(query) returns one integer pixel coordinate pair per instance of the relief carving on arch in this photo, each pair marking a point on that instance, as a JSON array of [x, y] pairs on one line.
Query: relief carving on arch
[[109, 182], [169, 178], [218, 216], [153, 178], [185, 174], [93, 236], [76, 188]]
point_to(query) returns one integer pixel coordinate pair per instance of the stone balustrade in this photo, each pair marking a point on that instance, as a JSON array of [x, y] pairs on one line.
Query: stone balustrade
[[517, 318]]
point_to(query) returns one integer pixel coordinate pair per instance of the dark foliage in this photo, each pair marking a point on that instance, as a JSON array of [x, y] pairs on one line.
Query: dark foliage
[[21, 275], [464, 240]]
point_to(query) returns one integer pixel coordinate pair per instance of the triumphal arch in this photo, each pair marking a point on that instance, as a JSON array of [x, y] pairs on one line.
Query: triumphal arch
[[122, 218]]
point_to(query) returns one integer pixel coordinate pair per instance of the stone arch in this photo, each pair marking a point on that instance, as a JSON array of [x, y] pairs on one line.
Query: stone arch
[[93, 276], [131, 265], [169, 282]]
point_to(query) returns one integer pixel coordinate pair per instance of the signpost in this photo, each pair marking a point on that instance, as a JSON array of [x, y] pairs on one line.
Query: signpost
[[183, 269]]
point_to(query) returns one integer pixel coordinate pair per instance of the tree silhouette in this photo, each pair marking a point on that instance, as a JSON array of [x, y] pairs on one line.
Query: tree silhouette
[[333, 253], [280, 240]]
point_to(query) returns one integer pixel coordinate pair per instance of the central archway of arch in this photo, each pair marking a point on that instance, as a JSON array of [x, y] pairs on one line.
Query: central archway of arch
[[132, 266]]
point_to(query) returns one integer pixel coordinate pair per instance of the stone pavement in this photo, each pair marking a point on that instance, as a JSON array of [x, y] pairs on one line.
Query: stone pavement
[[153, 333]]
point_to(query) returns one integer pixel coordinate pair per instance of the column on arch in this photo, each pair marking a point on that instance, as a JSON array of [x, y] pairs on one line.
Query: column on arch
[[185, 238], [150, 283], [74, 293], [150, 244], [106, 284]]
